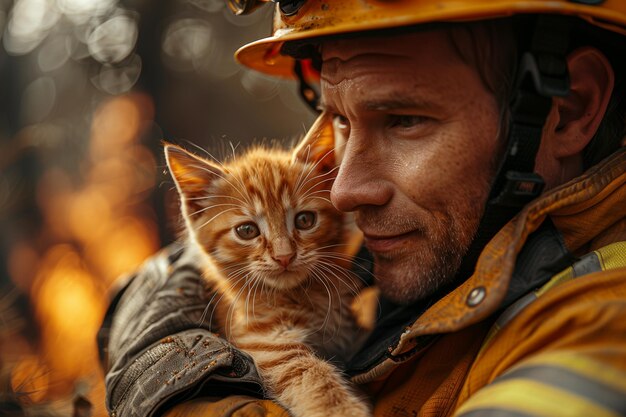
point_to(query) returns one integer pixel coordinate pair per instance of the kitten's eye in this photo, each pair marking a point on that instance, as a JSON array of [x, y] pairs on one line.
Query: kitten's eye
[[247, 231], [305, 220]]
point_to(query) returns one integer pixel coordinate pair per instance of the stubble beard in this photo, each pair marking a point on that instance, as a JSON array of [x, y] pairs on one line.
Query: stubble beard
[[431, 264]]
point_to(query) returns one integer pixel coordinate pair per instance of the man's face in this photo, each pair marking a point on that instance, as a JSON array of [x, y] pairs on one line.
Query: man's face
[[417, 131]]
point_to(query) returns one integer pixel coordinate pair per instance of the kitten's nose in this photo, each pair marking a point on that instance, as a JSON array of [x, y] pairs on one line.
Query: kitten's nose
[[285, 259]]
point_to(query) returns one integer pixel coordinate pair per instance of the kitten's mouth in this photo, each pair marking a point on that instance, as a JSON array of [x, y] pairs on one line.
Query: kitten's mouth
[[286, 280]]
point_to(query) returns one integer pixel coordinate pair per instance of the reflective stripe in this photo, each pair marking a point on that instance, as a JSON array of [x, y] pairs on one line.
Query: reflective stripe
[[521, 397], [576, 362], [514, 309], [613, 256], [573, 382], [497, 412], [587, 264]]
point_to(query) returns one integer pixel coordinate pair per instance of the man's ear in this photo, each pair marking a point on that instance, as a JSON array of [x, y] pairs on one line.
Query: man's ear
[[318, 146], [574, 119]]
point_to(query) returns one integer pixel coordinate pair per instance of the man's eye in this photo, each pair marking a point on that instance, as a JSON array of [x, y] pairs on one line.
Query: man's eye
[[406, 121], [341, 122]]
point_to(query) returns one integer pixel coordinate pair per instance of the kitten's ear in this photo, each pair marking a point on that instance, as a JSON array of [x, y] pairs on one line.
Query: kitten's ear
[[318, 146], [192, 174]]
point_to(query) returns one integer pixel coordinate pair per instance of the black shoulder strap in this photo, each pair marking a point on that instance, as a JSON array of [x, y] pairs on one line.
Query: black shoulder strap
[[542, 75]]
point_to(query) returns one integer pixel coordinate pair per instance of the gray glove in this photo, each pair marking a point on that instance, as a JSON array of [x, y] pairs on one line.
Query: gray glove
[[156, 350]]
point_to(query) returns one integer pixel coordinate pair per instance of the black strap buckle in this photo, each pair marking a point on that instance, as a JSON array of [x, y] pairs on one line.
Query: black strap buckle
[[542, 75], [519, 188], [547, 72], [536, 87]]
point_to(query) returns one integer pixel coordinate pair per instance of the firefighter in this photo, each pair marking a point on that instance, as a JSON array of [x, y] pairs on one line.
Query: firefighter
[[481, 149]]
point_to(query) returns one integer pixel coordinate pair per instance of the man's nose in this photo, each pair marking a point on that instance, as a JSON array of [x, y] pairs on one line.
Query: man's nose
[[360, 180]]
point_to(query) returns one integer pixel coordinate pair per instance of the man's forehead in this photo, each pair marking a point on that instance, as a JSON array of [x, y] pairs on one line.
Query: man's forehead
[[389, 54], [346, 57]]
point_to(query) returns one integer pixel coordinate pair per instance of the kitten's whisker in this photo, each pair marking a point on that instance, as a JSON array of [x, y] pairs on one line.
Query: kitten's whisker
[[252, 290], [318, 176], [335, 245], [206, 309], [320, 278], [212, 207], [201, 149], [214, 217], [235, 265], [319, 161], [222, 294], [230, 315], [326, 200], [210, 302], [307, 180], [306, 162], [350, 284], [337, 325], [250, 278], [352, 281], [239, 272], [317, 184], [245, 197], [210, 197], [260, 283], [348, 258], [233, 148], [339, 305], [317, 192]]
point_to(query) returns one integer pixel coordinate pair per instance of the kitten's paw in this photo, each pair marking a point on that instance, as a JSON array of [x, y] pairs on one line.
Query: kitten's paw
[[355, 409]]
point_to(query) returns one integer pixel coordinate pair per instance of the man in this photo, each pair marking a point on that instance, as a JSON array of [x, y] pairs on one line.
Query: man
[[501, 296]]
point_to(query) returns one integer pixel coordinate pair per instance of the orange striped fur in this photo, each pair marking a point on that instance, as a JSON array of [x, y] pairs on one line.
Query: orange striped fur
[[283, 296]]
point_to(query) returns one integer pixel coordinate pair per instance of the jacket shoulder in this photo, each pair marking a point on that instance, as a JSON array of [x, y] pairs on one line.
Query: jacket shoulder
[[565, 347]]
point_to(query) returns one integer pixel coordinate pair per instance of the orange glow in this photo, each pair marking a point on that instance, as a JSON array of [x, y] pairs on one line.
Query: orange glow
[[129, 241], [116, 124], [70, 306], [95, 230], [89, 213]]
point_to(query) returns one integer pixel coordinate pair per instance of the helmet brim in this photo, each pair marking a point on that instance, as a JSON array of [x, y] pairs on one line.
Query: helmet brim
[[318, 21]]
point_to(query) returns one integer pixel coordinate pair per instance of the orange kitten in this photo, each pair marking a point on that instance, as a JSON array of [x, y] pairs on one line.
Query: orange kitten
[[274, 248]]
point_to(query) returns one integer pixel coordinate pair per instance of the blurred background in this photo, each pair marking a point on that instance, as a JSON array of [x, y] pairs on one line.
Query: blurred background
[[88, 90]]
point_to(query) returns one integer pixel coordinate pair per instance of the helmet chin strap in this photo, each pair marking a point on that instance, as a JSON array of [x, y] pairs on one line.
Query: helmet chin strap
[[542, 74], [309, 94]]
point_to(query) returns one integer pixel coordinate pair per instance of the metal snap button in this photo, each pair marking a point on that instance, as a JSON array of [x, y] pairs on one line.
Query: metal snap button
[[476, 296]]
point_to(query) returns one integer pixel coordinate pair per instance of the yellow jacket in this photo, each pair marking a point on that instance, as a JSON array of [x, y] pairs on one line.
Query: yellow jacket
[[560, 350], [504, 343]]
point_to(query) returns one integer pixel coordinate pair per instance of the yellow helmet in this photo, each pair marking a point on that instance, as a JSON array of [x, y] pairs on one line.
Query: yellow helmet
[[305, 19]]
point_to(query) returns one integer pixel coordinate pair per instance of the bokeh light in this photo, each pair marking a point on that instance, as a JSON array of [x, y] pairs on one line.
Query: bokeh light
[[187, 42], [90, 88], [114, 39]]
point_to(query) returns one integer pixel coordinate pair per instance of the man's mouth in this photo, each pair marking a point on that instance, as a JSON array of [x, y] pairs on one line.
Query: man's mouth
[[387, 243]]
